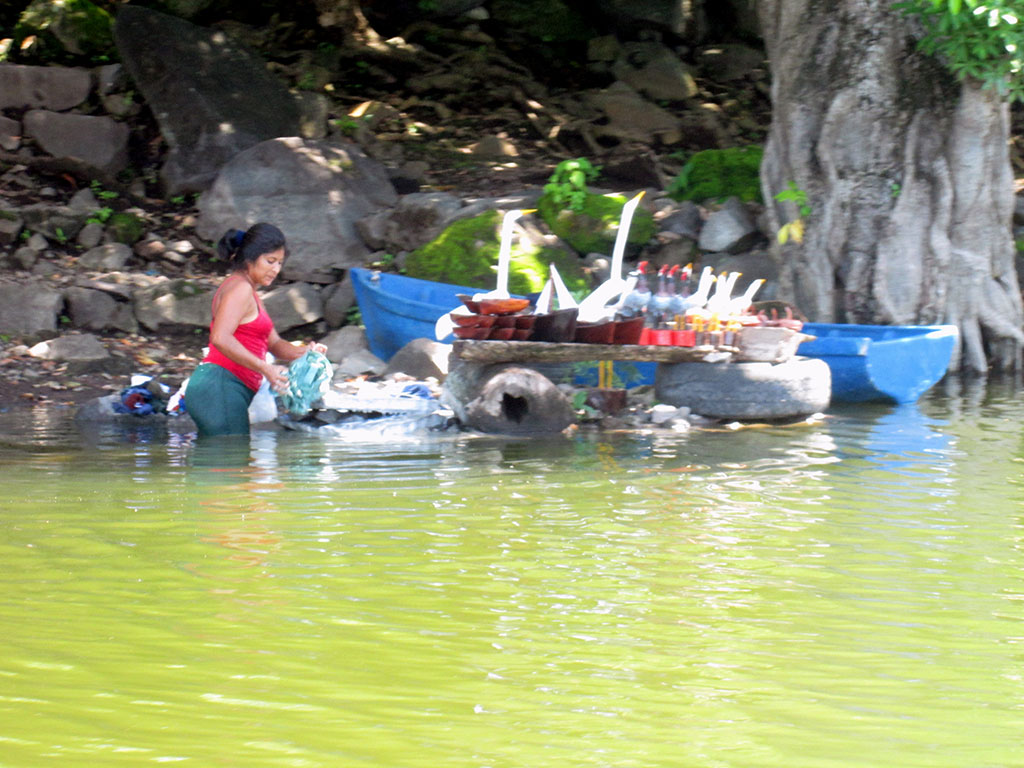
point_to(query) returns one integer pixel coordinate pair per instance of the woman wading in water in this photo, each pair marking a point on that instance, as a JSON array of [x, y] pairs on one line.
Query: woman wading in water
[[241, 334]]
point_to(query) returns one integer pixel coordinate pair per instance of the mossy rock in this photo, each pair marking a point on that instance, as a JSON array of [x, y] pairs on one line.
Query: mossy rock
[[125, 228], [593, 229], [717, 174], [75, 28], [466, 253]]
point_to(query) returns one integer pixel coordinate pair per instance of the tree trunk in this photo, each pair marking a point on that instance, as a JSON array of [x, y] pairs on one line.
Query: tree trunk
[[907, 174]]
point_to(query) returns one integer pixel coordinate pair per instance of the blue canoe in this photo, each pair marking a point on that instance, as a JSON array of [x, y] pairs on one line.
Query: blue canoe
[[896, 363]]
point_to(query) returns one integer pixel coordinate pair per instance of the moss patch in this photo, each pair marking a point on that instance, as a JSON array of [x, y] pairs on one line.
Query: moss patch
[[125, 228], [466, 253], [593, 229], [74, 27], [716, 174]]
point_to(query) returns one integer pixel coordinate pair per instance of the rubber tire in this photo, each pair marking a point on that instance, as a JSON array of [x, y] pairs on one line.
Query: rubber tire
[[741, 391]]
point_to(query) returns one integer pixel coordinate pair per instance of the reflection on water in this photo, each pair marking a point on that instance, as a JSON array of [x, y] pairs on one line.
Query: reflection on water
[[824, 594]]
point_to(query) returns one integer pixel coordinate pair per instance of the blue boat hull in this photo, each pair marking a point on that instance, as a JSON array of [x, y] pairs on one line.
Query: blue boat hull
[[895, 363], [397, 309]]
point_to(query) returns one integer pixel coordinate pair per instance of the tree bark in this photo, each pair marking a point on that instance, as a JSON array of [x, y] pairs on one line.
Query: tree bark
[[907, 173]]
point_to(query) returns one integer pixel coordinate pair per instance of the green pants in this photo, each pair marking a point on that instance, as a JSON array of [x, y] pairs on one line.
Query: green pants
[[218, 401]]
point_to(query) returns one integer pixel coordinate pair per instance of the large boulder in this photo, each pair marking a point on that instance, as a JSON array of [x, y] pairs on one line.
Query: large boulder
[[315, 191], [211, 98]]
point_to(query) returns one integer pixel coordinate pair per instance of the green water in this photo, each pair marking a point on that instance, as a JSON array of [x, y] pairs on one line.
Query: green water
[[845, 593]]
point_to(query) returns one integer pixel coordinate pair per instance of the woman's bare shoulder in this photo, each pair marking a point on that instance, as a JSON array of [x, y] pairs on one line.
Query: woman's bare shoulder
[[234, 290]]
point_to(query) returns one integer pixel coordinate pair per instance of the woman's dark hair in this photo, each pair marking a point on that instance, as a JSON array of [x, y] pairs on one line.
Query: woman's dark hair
[[241, 248]]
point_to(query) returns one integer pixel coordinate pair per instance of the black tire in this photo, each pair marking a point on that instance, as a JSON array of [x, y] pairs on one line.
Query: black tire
[[798, 387]]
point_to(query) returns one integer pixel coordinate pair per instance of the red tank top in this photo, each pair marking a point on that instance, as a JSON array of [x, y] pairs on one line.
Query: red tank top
[[254, 336]]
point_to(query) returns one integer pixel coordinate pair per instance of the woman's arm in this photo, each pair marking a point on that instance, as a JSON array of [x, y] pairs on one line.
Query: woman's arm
[[286, 350], [236, 302]]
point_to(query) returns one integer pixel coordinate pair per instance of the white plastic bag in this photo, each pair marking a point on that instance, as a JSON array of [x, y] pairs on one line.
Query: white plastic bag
[[263, 406]]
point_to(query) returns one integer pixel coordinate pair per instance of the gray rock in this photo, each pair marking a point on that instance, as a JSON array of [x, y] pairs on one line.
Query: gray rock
[[422, 359], [91, 235], [685, 220], [416, 220], [73, 346], [25, 257], [173, 303], [97, 311], [110, 78], [10, 133], [359, 363], [313, 112], [11, 225], [653, 69], [294, 305], [29, 308], [338, 299], [110, 257], [314, 191], [99, 142], [731, 229], [344, 342], [26, 87], [724, 63], [37, 243], [631, 117], [197, 81], [56, 222], [84, 200]]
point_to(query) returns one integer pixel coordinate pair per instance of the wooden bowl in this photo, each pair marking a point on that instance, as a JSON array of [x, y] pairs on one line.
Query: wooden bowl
[[471, 333], [471, 305], [525, 321], [501, 334], [556, 327], [473, 321], [628, 331], [595, 333], [503, 321], [522, 334], [502, 306]]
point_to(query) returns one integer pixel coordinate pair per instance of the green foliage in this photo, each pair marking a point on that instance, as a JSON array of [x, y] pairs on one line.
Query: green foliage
[[100, 192], [71, 30], [100, 215], [61, 237], [793, 229], [792, 193], [466, 253], [594, 227], [978, 39], [567, 187], [716, 174]]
